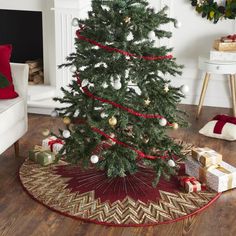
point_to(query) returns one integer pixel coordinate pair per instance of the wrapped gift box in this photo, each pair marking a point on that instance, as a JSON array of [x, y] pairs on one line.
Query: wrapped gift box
[[42, 156], [53, 144], [206, 156], [224, 46], [222, 56], [220, 177], [190, 184]]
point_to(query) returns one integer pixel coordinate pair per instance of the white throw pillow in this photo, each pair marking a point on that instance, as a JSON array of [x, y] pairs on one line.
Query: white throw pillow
[[228, 132]]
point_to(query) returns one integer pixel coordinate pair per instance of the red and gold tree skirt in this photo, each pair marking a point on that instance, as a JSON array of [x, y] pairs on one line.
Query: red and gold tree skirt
[[129, 201]]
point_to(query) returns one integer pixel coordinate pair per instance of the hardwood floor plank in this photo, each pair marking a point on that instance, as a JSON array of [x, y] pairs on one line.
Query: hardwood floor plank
[[20, 215]]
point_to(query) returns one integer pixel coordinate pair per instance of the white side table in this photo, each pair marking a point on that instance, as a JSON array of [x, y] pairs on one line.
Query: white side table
[[217, 67]]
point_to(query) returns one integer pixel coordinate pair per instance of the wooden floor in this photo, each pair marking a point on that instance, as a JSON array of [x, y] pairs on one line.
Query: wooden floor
[[20, 215]]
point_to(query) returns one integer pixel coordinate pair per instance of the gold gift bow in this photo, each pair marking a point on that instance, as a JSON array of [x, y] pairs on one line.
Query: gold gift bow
[[203, 172]]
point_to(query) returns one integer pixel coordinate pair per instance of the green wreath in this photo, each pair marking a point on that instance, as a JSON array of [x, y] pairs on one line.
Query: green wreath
[[214, 11]]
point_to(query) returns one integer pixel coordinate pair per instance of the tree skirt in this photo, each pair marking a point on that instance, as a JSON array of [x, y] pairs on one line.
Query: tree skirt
[[131, 201]]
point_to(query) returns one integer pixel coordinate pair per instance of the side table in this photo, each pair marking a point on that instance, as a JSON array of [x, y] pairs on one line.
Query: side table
[[217, 67]]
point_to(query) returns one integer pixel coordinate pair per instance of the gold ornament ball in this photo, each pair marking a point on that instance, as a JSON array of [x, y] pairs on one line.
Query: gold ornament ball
[[66, 120], [112, 121], [175, 126], [45, 132]]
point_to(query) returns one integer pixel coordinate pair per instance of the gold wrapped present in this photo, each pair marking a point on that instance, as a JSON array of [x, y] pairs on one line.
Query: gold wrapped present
[[206, 156], [224, 46], [220, 177], [41, 156]]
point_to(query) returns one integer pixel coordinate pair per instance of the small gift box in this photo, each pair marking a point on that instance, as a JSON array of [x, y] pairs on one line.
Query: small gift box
[[41, 156], [219, 177], [224, 46], [53, 144], [190, 184], [206, 156]]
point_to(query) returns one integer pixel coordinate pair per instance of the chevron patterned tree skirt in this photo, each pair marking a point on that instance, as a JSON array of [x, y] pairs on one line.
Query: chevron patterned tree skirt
[[131, 201]]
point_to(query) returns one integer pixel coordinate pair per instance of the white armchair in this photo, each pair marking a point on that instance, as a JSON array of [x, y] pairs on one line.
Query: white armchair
[[13, 112]]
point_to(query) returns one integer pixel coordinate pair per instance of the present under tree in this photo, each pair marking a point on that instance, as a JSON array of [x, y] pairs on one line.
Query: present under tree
[[115, 50]]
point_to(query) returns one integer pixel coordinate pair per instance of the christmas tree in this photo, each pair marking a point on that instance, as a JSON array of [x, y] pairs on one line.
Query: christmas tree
[[119, 104]]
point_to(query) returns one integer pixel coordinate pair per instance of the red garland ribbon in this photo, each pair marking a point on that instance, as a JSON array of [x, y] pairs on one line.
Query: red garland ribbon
[[141, 155], [221, 122], [131, 111], [111, 49], [55, 141]]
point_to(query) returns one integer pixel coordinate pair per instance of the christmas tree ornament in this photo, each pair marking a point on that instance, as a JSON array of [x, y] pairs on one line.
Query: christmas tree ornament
[[175, 126], [66, 120], [105, 8], [117, 85], [94, 159], [145, 139], [73, 69], [112, 121], [166, 88], [178, 24], [75, 22], [84, 83], [76, 113], [184, 89], [104, 85], [45, 132], [127, 19], [54, 114], [147, 102], [171, 163], [66, 133], [162, 122], [152, 35], [103, 115], [130, 36], [91, 85]]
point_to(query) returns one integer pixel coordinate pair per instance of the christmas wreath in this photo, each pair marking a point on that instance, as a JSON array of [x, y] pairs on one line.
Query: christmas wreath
[[215, 10]]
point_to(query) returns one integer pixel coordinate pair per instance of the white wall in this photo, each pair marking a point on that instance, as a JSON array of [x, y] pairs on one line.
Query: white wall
[[194, 39]]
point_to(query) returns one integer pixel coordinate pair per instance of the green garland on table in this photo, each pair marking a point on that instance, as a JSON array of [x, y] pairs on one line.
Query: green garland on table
[[214, 11]]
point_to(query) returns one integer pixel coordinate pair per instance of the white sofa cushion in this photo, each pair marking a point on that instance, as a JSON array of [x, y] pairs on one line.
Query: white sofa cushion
[[11, 112]]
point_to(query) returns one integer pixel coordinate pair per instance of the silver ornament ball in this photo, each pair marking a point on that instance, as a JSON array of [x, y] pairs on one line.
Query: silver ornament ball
[[151, 35], [162, 122], [75, 22], [117, 85], [94, 159], [184, 89], [54, 114], [171, 163], [66, 133], [178, 24], [73, 69]]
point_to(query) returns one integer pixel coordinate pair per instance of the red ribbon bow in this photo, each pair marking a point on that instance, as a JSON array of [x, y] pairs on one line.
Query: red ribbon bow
[[55, 141], [188, 179], [232, 37], [221, 121]]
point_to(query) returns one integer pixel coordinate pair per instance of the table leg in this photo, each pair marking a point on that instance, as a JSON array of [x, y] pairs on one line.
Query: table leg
[[233, 84], [203, 93]]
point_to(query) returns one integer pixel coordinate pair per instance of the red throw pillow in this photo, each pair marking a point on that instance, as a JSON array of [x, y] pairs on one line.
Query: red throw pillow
[[5, 71]]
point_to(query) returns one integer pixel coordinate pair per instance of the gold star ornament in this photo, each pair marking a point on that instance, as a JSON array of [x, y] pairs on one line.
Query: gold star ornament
[[127, 19]]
